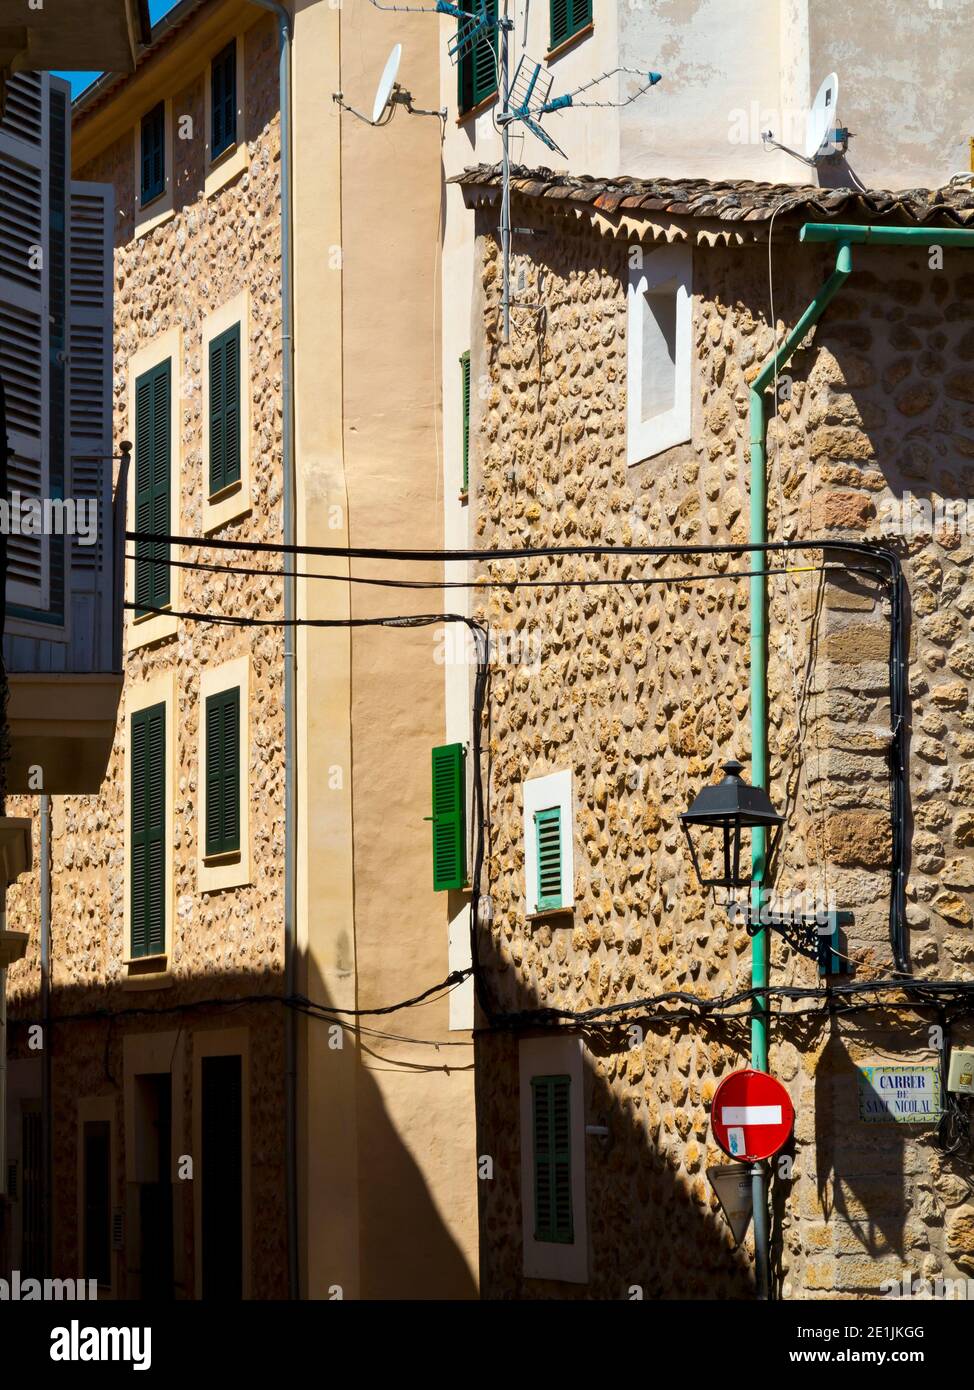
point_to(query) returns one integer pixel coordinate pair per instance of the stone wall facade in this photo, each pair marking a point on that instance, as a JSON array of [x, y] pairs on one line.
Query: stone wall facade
[[642, 691], [225, 945]]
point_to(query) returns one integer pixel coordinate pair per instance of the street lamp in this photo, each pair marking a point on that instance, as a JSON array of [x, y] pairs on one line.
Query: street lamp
[[731, 807]]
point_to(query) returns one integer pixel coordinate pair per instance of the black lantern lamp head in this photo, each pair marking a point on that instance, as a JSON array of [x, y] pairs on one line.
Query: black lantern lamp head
[[729, 808]]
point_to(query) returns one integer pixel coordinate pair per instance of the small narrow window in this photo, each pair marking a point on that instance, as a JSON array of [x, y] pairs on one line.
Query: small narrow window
[[659, 354], [449, 828], [97, 1199], [551, 1112], [223, 100], [224, 407], [148, 832], [152, 486], [153, 153], [221, 1177], [547, 826], [477, 66], [465, 409], [569, 17], [223, 772]]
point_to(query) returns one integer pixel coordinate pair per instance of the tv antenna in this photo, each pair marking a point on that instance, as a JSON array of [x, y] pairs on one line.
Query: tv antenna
[[524, 100], [387, 94], [822, 136]]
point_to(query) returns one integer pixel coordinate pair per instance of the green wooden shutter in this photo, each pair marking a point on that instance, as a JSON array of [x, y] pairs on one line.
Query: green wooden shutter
[[153, 153], [223, 100], [551, 1111], [449, 821], [567, 18], [223, 772], [477, 69], [152, 483], [224, 408], [148, 829], [465, 406], [547, 829]]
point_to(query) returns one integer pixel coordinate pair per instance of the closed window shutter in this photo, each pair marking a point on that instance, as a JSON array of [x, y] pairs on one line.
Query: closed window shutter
[[465, 406], [567, 18], [152, 483], [223, 96], [31, 264], [223, 772], [148, 912], [153, 153], [547, 826], [551, 1111], [477, 68], [449, 830], [224, 407]]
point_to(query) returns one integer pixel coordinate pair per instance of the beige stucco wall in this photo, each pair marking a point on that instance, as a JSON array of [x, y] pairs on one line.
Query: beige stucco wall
[[642, 693], [387, 1134]]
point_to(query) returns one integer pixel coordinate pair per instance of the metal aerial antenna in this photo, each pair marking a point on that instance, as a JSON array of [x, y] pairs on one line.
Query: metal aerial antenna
[[530, 93]]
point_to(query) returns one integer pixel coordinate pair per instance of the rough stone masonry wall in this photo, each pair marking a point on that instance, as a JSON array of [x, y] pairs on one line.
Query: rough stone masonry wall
[[643, 692], [226, 944]]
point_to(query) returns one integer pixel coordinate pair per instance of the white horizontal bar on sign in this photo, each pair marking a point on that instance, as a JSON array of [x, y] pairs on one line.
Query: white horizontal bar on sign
[[750, 1115]]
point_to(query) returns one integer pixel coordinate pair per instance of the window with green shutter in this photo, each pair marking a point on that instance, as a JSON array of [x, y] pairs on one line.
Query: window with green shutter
[[547, 830], [551, 1114], [152, 484], [223, 772], [223, 100], [148, 832], [449, 821], [153, 150], [224, 408], [465, 408], [477, 68], [568, 17]]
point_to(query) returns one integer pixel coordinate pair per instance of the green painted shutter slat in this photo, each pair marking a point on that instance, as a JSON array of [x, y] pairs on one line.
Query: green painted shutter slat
[[152, 483], [477, 69], [449, 828], [148, 832], [465, 406], [223, 100], [567, 18], [153, 153], [224, 408], [547, 825], [551, 1114], [223, 772]]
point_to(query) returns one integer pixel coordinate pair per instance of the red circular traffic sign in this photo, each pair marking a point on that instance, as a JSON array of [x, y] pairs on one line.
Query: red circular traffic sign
[[751, 1115]]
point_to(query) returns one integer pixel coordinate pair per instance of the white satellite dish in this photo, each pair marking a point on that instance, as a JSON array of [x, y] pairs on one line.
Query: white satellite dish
[[820, 121], [386, 83]]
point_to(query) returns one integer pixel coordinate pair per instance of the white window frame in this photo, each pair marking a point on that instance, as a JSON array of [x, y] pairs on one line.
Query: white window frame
[[539, 794], [545, 1259], [661, 268]]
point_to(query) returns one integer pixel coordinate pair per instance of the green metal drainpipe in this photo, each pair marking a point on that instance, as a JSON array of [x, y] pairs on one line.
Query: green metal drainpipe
[[846, 236]]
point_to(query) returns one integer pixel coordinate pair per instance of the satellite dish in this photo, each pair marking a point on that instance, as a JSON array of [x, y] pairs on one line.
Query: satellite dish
[[820, 122], [386, 83]]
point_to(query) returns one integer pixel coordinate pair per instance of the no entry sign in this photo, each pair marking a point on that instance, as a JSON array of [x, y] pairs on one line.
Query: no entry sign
[[751, 1115]]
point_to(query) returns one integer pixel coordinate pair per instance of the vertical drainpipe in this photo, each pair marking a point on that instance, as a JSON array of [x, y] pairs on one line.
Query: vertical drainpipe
[[290, 659], [47, 1112], [759, 717]]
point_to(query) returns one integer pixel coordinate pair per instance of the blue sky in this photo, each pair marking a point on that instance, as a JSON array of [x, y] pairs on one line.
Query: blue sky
[[80, 80]]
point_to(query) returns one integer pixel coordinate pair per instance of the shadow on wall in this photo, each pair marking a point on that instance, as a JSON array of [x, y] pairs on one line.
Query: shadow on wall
[[396, 1217]]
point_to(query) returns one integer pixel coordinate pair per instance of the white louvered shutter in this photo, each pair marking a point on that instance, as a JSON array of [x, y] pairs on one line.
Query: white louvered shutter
[[24, 320], [90, 365]]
